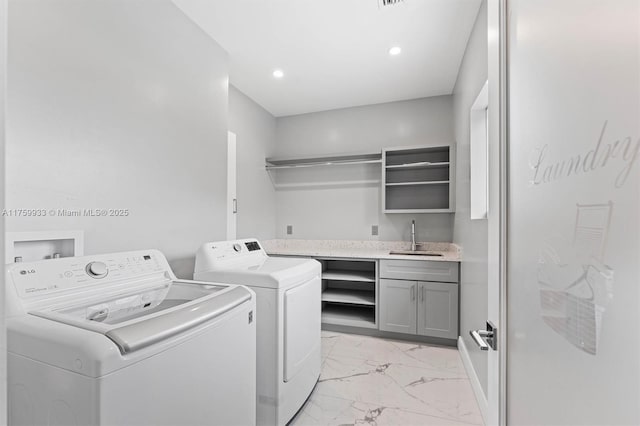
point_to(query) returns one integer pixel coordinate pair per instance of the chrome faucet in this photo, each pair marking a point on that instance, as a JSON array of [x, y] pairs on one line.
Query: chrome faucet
[[413, 235]]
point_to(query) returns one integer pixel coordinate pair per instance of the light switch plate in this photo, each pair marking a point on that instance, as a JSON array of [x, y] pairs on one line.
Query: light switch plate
[[374, 229], [289, 229]]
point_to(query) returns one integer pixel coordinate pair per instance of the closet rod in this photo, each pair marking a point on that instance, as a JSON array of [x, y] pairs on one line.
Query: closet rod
[[321, 163]]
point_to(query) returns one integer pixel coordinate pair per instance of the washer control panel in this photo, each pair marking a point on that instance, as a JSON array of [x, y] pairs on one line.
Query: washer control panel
[[97, 269], [32, 279]]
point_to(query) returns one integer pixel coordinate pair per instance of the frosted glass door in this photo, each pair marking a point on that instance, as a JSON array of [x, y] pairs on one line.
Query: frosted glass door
[[574, 216]]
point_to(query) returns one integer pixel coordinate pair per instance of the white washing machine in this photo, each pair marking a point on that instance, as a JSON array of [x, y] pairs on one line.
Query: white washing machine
[[117, 339], [288, 294]]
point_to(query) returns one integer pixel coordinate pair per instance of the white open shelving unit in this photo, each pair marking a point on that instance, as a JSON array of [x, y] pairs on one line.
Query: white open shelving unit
[[349, 292]]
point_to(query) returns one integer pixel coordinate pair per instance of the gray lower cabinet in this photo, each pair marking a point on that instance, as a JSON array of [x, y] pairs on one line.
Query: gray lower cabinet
[[398, 306], [425, 308], [419, 307], [438, 310]]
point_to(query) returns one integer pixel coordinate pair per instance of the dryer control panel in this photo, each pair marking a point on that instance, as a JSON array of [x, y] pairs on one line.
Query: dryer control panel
[[224, 254]]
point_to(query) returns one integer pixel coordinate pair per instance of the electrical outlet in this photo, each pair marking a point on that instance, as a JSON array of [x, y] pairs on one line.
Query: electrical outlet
[[289, 229], [374, 229]]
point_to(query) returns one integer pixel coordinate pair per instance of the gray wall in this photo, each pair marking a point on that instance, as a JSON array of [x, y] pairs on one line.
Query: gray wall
[[471, 235], [255, 128], [343, 202], [117, 104]]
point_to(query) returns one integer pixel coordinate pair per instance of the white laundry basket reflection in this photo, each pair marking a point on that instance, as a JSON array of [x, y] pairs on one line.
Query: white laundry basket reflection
[[575, 285]]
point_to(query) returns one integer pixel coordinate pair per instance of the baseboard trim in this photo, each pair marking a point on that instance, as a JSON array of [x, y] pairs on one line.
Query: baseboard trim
[[374, 332], [481, 398]]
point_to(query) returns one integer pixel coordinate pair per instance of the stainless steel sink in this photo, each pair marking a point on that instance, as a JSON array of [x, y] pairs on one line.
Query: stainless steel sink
[[415, 253]]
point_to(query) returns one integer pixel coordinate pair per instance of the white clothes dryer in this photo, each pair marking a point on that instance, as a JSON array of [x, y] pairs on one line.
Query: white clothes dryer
[[288, 292], [117, 339]]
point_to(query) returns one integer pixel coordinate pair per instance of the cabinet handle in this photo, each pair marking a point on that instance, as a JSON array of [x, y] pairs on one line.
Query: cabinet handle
[[422, 293], [413, 292]]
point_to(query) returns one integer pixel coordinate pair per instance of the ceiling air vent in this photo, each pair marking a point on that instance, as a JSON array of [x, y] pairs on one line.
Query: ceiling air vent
[[389, 2]]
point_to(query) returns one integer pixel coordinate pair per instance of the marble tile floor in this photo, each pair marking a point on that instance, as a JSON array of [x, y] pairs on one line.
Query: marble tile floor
[[372, 381]]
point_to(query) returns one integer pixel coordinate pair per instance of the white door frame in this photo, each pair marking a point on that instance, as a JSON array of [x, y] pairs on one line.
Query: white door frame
[[3, 94], [232, 200], [497, 215]]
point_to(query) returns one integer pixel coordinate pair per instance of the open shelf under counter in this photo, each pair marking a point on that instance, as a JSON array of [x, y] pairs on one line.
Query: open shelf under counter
[[349, 292], [349, 296], [345, 275], [349, 315]]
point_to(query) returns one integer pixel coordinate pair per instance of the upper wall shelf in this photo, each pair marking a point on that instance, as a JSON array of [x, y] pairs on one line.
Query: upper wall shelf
[[418, 179], [419, 165], [323, 160], [430, 182]]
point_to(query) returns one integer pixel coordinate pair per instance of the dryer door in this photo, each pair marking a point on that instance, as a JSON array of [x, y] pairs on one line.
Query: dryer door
[[302, 319]]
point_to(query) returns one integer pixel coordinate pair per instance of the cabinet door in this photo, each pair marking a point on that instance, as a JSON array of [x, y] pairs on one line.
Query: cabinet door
[[438, 309], [398, 306]]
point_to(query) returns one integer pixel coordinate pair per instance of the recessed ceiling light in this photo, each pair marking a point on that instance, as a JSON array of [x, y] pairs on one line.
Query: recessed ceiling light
[[278, 73], [395, 50]]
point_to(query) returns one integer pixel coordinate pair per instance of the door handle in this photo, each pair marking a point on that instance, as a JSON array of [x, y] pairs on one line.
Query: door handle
[[475, 334], [486, 339]]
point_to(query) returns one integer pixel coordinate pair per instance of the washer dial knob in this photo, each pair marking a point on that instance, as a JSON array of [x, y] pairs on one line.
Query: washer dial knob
[[237, 247], [97, 269]]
